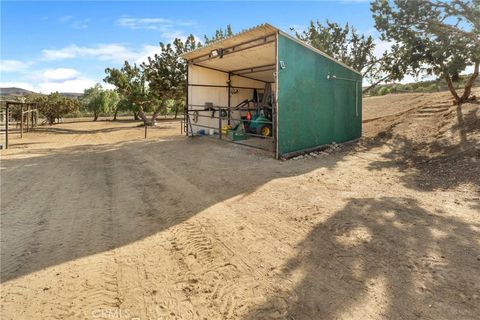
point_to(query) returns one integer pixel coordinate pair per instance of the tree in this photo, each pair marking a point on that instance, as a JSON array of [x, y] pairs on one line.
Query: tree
[[436, 37], [123, 105], [219, 35], [356, 50], [166, 74], [130, 83], [98, 100], [54, 106]]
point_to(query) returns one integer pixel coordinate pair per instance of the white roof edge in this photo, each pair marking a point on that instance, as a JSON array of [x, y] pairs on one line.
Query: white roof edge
[[306, 45], [215, 43], [283, 34]]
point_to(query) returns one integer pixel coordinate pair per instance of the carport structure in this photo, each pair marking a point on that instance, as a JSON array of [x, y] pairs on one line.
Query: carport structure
[[289, 97]]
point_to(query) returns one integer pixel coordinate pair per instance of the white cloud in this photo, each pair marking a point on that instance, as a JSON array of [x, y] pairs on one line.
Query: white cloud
[[60, 74], [160, 24], [74, 22], [169, 29], [113, 52], [65, 18], [147, 51], [14, 65], [73, 85], [145, 23], [104, 52]]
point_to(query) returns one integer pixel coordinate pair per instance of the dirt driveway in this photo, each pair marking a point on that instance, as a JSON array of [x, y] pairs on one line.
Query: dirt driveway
[[98, 223]]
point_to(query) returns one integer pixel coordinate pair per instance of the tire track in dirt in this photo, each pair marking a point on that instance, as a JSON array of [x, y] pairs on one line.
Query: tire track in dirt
[[210, 272], [64, 233]]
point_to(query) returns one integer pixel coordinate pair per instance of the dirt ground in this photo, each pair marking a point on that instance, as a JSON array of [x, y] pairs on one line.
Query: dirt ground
[[99, 223]]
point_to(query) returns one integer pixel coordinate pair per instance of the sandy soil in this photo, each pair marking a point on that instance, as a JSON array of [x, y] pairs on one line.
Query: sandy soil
[[99, 223]]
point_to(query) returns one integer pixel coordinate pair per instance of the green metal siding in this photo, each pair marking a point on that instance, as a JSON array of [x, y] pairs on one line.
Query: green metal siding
[[312, 109]]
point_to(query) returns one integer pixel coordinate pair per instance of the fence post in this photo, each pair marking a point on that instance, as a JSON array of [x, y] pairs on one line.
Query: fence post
[[21, 121], [219, 123]]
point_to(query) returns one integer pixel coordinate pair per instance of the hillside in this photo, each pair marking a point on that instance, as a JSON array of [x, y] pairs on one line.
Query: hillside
[[15, 92], [425, 132]]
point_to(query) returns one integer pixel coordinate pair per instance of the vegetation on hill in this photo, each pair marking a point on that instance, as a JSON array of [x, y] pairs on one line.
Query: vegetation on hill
[[421, 86]]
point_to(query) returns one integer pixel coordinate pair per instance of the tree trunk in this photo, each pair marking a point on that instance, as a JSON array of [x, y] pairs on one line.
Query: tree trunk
[[142, 115], [452, 88], [95, 115], [155, 115], [115, 114], [176, 112], [469, 84], [135, 115]]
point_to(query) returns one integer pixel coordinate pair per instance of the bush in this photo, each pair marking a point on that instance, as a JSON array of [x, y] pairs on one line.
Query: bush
[[383, 91]]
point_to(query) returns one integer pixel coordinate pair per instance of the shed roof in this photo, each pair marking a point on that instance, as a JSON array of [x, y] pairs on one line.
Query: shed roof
[[260, 31]]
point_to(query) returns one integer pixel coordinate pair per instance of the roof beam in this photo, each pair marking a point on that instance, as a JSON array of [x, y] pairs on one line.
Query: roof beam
[[236, 48]]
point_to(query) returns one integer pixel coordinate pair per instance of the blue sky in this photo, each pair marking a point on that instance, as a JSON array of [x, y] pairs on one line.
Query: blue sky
[[65, 46]]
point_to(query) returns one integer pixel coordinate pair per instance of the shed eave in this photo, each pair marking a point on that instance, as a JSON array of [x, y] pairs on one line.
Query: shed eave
[[262, 30], [259, 31]]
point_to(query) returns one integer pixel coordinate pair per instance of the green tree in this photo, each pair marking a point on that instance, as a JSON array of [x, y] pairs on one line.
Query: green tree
[[98, 100], [346, 44], [219, 35], [436, 37], [129, 82], [54, 106], [123, 105], [166, 74]]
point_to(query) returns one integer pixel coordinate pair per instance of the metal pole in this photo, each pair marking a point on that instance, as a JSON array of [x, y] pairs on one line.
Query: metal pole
[[219, 123], [229, 98], [21, 121], [6, 128], [185, 108], [27, 115]]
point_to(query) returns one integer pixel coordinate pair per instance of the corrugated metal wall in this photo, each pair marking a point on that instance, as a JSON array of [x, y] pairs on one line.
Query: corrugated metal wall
[[312, 109]]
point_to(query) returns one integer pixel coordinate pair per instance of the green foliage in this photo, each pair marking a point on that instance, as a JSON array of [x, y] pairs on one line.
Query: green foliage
[[219, 35], [383, 91], [423, 86], [436, 37], [346, 44], [129, 82], [342, 43], [98, 100], [54, 106], [149, 86]]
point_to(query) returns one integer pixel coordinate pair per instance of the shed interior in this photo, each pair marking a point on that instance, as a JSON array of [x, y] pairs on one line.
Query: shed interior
[[231, 89]]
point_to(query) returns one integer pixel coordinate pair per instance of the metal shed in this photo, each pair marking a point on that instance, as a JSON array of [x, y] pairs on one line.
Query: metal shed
[[307, 99]]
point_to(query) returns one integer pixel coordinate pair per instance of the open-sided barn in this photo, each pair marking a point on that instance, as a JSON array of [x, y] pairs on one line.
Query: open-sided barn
[[266, 89]]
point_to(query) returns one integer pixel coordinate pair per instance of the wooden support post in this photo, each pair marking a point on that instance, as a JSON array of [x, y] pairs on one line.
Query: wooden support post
[[229, 95], [21, 121], [146, 131], [219, 123], [6, 127], [27, 114], [31, 118]]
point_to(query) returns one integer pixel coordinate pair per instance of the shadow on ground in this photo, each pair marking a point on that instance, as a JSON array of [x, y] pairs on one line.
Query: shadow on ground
[[385, 258], [440, 164], [64, 204]]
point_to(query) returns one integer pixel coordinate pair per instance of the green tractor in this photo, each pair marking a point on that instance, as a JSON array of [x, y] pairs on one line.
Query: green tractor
[[260, 123]]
